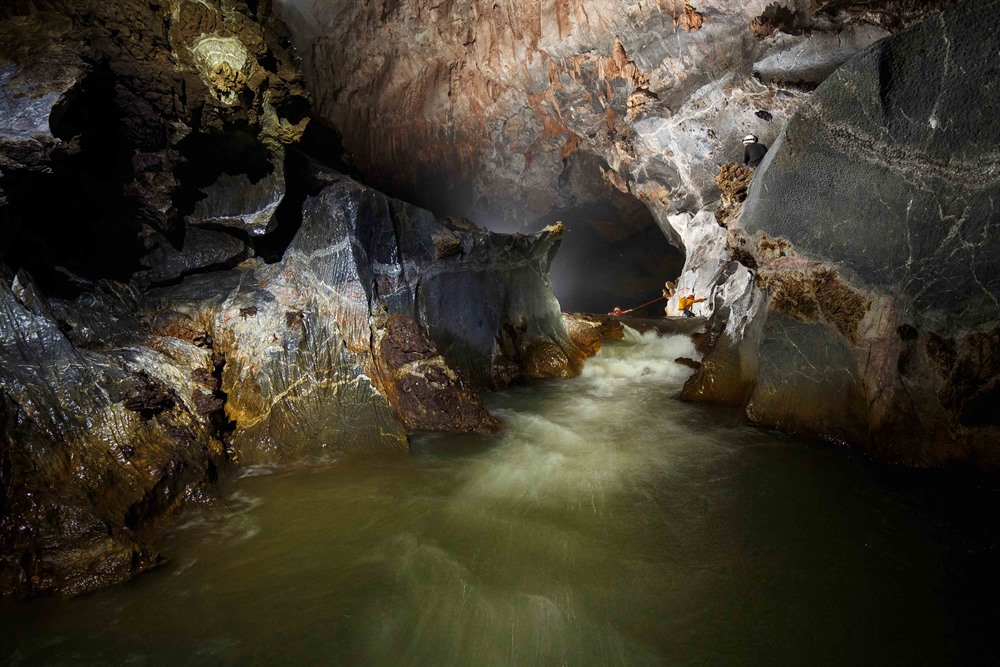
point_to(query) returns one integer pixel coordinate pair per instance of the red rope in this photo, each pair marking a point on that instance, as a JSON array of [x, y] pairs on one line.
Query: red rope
[[659, 298]]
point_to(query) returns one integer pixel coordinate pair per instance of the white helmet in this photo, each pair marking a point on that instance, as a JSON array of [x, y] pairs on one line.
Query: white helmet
[[750, 139]]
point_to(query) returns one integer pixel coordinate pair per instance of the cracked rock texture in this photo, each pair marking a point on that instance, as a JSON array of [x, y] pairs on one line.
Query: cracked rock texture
[[872, 227], [376, 308], [98, 438], [146, 118], [523, 112], [904, 138], [182, 291], [295, 312], [380, 319]]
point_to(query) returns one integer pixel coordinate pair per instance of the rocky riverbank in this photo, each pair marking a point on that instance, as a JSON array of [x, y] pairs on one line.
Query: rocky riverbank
[[120, 405]]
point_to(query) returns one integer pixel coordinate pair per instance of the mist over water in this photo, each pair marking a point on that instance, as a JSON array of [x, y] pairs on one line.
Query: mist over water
[[610, 524]]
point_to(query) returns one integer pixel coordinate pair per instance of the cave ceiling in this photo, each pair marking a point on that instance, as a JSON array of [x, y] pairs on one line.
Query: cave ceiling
[[610, 116], [520, 112], [479, 106]]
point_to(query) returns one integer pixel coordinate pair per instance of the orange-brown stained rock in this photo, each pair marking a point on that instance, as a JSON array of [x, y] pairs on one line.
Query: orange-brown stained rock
[[775, 17], [689, 18], [588, 332], [104, 444], [424, 393], [819, 294], [726, 375], [733, 180], [545, 359]]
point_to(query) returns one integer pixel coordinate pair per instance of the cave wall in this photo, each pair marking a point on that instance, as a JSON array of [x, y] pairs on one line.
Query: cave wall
[[483, 108], [872, 264], [871, 230], [186, 286], [183, 290], [120, 405], [150, 121]]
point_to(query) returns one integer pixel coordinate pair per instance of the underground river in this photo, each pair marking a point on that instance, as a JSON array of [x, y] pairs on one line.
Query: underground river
[[610, 524]]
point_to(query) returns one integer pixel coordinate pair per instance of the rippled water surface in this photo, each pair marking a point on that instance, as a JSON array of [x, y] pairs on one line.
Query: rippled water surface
[[609, 525]]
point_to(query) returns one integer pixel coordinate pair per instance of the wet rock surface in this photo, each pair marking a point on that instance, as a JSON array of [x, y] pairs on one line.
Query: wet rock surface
[[95, 444], [520, 115], [425, 393], [236, 201], [145, 118], [106, 426], [33, 85], [363, 286], [808, 382], [298, 313], [896, 138], [866, 228], [200, 250], [588, 332], [119, 404]]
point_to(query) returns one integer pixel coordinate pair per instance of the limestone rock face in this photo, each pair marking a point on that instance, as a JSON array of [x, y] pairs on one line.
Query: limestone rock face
[[96, 441], [235, 201], [808, 382], [146, 118], [294, 372], [871, 226], [200, 249], [424, 392], [377, 308], [898, 139], [520, 113], [588, 332], [516, 90], [808, 59], [300, 316], [32, 86], [297, 314], [118, 405]]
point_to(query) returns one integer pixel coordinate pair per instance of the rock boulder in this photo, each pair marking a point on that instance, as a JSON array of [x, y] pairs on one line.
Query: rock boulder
[[96, 442], [871, 228], [377, 308]]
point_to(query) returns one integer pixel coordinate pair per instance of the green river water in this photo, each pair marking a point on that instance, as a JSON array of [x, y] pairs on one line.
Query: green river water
[[610, 524]]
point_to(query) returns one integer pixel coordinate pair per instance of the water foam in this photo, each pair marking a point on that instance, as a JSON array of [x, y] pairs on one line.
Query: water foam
[[642, 357], [568, 451]]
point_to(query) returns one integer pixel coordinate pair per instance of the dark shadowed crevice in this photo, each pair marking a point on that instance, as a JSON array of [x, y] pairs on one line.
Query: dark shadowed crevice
[[320, 147], [982, 409], [206, 157], [324, 144], [73, 223], [298, 186], [294, 109]]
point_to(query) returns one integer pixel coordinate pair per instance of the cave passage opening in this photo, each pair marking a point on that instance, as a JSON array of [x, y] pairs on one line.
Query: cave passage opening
[[612, 254]]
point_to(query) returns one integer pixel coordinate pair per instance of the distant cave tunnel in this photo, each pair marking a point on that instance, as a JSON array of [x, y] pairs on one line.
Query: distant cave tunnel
[[612, 255], [613, 252]]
